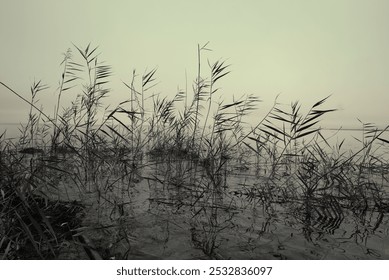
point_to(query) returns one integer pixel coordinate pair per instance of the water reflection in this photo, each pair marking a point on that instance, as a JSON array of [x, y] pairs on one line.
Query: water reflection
[[240, 218], [179, 209]]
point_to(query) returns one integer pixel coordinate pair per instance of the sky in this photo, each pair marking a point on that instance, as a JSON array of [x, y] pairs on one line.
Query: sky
[[301, 50]]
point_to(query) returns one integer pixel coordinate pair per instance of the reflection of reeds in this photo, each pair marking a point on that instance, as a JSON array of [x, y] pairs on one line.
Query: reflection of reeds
[[196, 144]]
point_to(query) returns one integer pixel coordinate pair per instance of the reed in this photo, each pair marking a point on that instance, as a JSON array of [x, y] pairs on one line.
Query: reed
[[184, 147]]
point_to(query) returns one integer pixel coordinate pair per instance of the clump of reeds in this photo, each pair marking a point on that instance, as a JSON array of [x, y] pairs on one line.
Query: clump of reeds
[[199, 141], [32, 226]]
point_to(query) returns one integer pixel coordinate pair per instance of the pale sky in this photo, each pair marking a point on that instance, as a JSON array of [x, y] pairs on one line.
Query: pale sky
[[301, 49]]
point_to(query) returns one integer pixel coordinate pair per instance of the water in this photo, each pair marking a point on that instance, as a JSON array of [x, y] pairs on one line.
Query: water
[[11, 130], [174, 209], [161, 213]]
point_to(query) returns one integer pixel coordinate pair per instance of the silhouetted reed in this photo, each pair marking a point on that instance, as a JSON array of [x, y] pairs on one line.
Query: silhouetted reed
[[77, 161]]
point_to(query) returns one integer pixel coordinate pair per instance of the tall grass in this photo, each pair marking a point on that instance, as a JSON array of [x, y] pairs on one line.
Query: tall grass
[[196, 144]]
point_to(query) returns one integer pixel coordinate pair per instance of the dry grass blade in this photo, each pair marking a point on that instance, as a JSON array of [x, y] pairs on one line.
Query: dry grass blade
[[118, 134], [218, 71], [320, 102], [103, 71], [305, 127], [314, 114], [148, 77], [251, 148], [383, 140], [275, 129]]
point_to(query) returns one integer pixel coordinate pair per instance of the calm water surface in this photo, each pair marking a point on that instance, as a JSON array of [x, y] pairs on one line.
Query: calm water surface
[[245, 218]]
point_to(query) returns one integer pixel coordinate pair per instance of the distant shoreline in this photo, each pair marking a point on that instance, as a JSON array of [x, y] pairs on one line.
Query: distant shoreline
[[323, 128]]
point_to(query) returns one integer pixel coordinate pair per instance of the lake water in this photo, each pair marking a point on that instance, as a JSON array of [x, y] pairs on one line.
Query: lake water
[[245, 219], [12, 131], [175, 209]]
